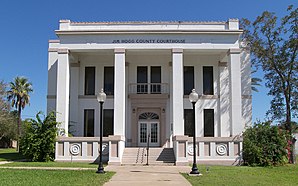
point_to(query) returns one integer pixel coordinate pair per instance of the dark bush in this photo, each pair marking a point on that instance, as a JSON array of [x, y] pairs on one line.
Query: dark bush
[[264, 145], [38, 142]]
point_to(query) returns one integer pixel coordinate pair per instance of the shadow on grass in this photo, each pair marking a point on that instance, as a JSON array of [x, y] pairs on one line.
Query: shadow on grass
[[10, 155]]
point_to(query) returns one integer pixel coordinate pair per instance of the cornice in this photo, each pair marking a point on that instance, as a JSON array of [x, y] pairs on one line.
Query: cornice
[[95, 32]]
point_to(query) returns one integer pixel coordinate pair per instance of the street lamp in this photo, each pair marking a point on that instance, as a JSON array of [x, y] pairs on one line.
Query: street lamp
[[101, 97], [193, 98]]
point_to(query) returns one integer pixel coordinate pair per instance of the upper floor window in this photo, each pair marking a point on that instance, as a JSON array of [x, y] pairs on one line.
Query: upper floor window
[[144, 80], [208, 80], [89, 80], [155, 80], [188, 79], [109, 80]]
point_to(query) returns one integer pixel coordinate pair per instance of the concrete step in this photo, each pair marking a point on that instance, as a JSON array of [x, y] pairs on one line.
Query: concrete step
[[157, 156]]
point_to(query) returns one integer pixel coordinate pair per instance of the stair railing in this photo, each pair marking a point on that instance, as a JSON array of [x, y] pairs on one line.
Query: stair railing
[[148, 149]]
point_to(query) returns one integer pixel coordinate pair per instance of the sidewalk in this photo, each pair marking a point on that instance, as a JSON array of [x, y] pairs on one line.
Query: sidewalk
[[148, 175]]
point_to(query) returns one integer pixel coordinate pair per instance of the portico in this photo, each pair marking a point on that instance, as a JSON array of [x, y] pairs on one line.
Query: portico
[[147, 70]]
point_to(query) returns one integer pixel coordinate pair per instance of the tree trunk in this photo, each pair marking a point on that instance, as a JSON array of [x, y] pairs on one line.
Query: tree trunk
[[289, 127], [19, 126]]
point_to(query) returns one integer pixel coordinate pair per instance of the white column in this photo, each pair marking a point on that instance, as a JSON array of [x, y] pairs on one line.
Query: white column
[[177, 96], [235, 91], [224, 100], [62, 101], [119, 92], [74, 98]]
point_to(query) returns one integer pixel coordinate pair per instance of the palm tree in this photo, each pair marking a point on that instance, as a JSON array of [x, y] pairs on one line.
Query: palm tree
[[255, 82], [18, 94]]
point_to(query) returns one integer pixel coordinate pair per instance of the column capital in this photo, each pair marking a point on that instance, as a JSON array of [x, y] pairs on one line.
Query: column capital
[[177, 50], [119, 50], [234, 51], [63, 51]]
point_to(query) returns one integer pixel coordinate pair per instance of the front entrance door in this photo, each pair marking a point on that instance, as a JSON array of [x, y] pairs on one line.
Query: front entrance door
[[148, 130]]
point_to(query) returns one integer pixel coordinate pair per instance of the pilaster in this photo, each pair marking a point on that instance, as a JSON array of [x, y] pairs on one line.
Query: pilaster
[[62, 101], [177, 88], [74, 96], [235, 91], [119, 92], [224, 101]]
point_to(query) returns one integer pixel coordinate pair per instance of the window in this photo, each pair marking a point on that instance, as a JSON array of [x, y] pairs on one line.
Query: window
[[142, 80], [109, 80], [108, 122], [89, 80], [89, 123], [155, 80], [208, 123], [208, 80], [188, 79], [188, 122]]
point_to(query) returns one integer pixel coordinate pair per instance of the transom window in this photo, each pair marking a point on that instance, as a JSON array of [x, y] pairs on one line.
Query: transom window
[[148, 115]]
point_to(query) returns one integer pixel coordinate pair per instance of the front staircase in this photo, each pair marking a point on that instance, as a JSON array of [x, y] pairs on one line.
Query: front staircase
[[157, 156]]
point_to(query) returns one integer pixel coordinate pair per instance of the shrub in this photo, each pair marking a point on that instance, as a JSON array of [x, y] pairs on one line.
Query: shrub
[[38, 142], [264, 145]]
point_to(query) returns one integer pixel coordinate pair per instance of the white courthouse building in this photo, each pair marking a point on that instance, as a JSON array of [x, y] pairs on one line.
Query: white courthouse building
[[147, 70]]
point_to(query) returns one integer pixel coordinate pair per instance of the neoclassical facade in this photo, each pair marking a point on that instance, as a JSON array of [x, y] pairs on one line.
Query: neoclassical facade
[[147, 70]]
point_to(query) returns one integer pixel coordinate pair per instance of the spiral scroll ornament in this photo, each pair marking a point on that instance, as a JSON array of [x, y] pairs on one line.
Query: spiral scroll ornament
[[190, 149], [105, 149], [75, 149], [221, 149]]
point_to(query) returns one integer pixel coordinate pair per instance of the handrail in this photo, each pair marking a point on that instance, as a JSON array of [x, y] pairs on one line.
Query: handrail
[[148, 149], [148, 88]]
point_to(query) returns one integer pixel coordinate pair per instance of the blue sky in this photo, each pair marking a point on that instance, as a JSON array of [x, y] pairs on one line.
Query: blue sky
[[26, 27]]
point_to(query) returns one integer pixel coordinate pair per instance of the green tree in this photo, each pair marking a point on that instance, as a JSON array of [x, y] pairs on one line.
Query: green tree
[[38, 141], [18, 94], [274, 48], [7, 119], [255, 82], [264, 145]]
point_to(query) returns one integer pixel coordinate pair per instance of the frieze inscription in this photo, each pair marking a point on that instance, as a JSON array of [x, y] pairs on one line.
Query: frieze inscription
[[148, 41]]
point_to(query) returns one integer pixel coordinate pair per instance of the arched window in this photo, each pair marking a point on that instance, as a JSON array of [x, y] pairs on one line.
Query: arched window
[[148, 115]]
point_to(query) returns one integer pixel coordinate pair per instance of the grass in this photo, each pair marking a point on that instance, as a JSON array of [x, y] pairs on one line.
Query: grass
[[10, 155], [243, 175], [52, 177], [51, 164], [48, 177]]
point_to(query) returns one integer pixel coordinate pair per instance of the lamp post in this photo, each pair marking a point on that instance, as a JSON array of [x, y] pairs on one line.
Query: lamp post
[[101, 97], [193, 98]]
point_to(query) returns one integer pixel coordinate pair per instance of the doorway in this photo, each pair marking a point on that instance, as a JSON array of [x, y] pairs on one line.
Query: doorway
[[148, 132]]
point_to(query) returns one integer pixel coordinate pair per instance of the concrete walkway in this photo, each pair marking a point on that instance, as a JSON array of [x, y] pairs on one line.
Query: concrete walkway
[[148, 175]]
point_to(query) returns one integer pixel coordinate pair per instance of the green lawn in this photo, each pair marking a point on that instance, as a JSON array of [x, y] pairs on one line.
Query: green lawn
[[51, 164], [10, 155], [231, 175], [52, 177]]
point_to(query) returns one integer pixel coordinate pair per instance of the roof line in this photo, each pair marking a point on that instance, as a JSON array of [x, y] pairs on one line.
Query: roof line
[[148, 22]]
